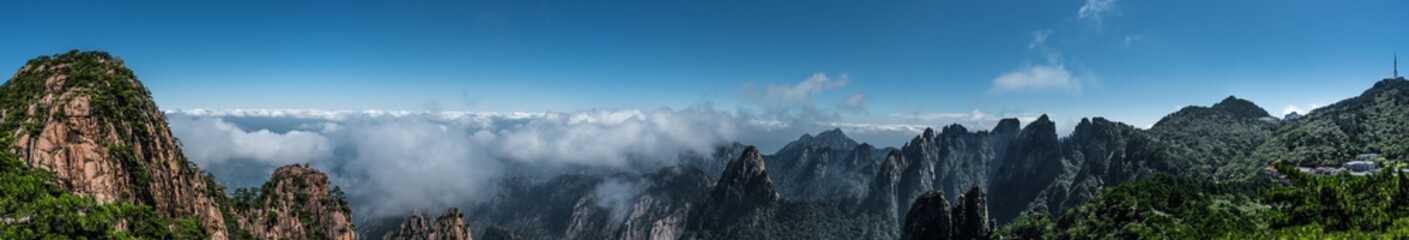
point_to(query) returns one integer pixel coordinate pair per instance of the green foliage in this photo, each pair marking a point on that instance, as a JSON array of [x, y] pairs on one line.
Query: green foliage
[[1374, 122], [1030, 225], [1161, 206], [1216, 142], [1340, 203], [35, 208], [1168, 206]]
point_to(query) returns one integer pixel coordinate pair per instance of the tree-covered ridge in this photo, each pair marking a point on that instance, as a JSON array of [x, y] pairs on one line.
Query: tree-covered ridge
[[1374, 122], [1216, 142]]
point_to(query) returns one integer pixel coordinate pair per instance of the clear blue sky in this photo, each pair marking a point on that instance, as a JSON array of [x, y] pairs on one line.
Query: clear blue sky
[[1128, 60]]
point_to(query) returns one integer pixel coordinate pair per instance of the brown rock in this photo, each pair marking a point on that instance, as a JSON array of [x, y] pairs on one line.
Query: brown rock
[[450, 225], [296, 203], [98, 130]]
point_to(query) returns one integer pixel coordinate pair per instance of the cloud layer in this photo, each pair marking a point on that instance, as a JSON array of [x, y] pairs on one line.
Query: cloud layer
[[212, 140], [392, 162]]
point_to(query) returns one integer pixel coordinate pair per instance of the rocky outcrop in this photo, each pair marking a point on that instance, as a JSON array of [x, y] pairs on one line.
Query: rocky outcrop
[[449, 226], [928, 218], [743, 196], [931, 217], [297, 202], [745, 183], [86, 117], [948, 161], [971, 215], [1034, 161]]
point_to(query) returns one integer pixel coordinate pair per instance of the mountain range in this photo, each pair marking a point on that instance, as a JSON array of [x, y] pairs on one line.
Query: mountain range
[[88, 153]]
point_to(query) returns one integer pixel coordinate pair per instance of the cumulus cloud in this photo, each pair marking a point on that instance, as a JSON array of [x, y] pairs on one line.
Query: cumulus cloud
[[1095, 10], [209, 140], [1051, 76]]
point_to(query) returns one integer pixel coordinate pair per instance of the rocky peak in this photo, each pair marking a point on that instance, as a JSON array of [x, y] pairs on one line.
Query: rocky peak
[[1007, 125], [954, 130], [1241, 107], [85, 117], [745, 181], [296, 202], [1093, 126], [1041, 128], [450, 225], [835, 139]]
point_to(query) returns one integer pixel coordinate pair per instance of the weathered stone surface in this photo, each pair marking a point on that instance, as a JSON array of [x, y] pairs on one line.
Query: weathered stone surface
[[95, 126], [297, 203], [449, 226]]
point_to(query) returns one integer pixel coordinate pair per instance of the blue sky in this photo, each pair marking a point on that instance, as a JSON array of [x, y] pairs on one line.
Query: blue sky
[[913, 62]]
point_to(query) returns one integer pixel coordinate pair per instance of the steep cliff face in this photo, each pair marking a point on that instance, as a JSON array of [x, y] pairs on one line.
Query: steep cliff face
[[662, 212], [449, 226], [948, 162], [931, 217], [85, 117], [1033, 162], [745, 185], [297, 202]]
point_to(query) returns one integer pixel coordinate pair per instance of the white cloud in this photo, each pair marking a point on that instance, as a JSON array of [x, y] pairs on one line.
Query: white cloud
[[1095, 10], [1303, 110], [208, 140], [1043, 77]]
